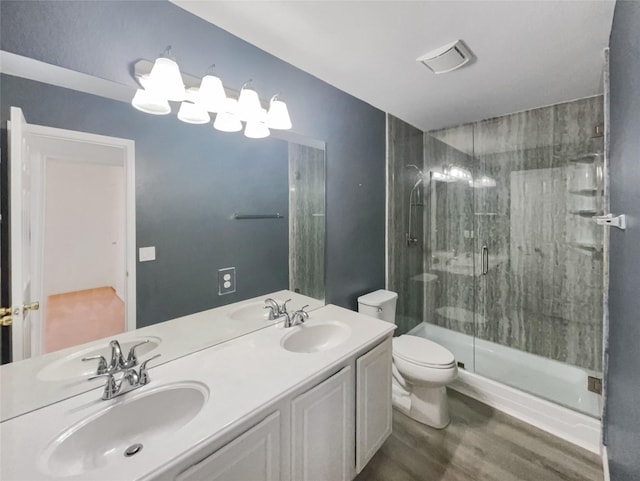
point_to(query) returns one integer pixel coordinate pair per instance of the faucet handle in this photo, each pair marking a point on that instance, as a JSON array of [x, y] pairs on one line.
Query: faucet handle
[[110, 388], [102, 364], [300, 316], [117, 362], [143, 375], [132, 359], [283, 309], [273, 312]]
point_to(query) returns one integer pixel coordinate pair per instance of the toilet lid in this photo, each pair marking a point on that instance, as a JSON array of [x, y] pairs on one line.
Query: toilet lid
[[424, 352]]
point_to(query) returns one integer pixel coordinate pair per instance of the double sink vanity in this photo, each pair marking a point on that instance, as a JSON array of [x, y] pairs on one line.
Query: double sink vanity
[[306, 402]]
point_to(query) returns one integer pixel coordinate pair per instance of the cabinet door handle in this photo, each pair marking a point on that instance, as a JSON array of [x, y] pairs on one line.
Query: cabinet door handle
[[485, 260]]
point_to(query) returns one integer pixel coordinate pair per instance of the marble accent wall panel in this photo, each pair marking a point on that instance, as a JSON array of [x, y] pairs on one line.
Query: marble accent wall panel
[[405, 263], [307, 220]]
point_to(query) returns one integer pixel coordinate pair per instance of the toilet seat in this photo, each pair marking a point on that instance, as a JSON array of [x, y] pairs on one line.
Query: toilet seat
[[422, 352]]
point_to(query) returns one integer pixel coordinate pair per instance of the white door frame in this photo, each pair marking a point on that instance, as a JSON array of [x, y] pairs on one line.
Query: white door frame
[[128, 149]]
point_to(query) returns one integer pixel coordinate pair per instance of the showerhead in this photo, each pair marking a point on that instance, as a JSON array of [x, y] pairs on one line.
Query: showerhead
[[415, 167]]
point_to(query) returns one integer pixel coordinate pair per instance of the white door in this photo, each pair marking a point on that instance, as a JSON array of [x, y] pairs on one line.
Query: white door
[[323, 431], [20, 235]]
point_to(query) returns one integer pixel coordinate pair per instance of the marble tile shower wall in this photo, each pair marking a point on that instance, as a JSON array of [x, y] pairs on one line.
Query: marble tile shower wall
[[307, 220], [404, 265], [543, 290]]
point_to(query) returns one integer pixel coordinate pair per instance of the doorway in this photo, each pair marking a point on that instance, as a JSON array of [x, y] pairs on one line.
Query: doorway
[[73, 237]]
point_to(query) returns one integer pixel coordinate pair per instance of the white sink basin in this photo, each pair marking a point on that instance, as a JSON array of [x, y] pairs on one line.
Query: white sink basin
[[317, 337], [148, 418], [71, 367], [254, 311]]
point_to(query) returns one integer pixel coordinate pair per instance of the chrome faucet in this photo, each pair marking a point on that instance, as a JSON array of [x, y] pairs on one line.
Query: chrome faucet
[[130, 380], [118, 361], [297, 317], [275, 310]]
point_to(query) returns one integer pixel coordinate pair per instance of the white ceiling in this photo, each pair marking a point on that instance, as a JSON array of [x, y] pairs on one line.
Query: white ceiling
[[529, 53]]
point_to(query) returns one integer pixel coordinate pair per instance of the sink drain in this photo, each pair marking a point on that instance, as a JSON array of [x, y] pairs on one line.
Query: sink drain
[[133, 450]]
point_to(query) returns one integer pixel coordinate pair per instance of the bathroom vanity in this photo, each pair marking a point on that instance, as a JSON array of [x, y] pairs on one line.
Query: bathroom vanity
[[310, 402]]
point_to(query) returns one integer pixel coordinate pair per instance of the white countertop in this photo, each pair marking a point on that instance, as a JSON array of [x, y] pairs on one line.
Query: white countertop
[[23, 391], [243, 376]]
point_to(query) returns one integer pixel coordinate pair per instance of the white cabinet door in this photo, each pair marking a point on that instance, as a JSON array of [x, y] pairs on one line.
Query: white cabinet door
[[323, 431], [373, 407], [253, 456]]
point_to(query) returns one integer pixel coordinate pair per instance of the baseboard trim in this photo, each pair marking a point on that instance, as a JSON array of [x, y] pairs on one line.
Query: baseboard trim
[[605, 464], [577, 428]]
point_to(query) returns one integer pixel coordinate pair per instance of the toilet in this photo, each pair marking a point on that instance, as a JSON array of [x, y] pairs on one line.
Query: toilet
[[421, 368]]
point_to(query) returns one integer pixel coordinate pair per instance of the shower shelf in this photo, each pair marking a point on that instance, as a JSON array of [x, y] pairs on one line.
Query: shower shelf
[[585, 213], [589, 158], [586, 192], [586, 246]]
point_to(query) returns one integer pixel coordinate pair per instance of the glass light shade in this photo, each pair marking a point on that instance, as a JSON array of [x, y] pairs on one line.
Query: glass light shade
[[441, 177], [165, 79], [150, 103], [257, 129], [459, 173], [227, 120], [249, 107], [212, 95], [193, 113], [482, 182], [278, 116]]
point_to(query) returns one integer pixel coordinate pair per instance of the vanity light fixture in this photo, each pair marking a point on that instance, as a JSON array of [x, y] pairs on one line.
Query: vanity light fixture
[[278, 115], [249, 107], [257, 129], [165, 78], [149, 103], [227, 120], [162, 82]]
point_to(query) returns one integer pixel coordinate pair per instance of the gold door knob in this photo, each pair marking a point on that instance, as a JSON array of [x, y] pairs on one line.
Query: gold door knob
[[5, 310], [5, 320], [34, 306]]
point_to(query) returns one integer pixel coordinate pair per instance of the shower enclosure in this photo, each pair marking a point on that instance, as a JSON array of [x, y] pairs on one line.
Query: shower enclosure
[[503, 263]]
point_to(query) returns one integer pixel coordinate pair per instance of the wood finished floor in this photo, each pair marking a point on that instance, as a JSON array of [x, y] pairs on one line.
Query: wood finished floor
[[480, 444]]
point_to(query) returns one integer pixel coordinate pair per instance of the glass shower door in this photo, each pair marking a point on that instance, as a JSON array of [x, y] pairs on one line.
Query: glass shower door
[[539, 297], [449, 227]]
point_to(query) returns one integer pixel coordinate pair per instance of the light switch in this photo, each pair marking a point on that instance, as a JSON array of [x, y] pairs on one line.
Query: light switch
[[226, 280], [147, 254]]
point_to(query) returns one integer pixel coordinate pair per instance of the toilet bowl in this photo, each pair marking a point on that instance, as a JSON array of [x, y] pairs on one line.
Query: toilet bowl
[[421, 371], [421, 368]]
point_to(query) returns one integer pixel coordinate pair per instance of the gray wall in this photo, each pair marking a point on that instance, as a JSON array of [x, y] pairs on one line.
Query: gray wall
[[105, 39], [623, 381]]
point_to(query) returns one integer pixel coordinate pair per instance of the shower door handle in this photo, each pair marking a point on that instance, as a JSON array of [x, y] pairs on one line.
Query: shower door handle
[[485, 260]]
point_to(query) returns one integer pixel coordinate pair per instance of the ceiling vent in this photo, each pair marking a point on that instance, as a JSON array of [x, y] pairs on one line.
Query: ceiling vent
[[447, 58]]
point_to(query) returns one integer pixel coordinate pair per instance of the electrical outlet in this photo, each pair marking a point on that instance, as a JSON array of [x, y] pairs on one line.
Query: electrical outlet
[[226, 280], [146, 254]]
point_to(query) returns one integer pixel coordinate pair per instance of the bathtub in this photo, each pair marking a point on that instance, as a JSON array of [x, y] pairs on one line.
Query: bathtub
[[549, 394]]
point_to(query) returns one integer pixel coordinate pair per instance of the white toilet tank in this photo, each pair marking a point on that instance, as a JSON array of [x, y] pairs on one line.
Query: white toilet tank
[[380, 304]]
